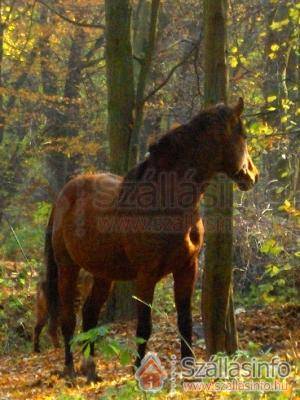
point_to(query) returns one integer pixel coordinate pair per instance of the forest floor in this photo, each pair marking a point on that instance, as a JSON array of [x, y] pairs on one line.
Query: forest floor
[[24, 375]]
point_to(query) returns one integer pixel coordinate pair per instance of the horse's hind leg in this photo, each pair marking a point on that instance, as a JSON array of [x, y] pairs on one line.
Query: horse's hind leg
[[184, 280], [41, 316], [37, 331], [145, 286], [90, 313], [53, 327], [67, 284]]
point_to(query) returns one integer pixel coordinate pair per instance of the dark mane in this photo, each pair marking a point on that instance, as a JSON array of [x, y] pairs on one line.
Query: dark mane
[[174, 140], [137, 172], [167, 149]]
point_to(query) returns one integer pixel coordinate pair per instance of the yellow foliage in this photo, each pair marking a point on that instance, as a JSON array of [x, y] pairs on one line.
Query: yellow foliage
[[270, 99], [288, 208], [286, 103], [272, 56], [233, 61], [278, 25], [275, 47]]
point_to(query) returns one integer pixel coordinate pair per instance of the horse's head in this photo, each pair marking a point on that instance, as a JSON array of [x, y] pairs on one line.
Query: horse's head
[[235, 160]]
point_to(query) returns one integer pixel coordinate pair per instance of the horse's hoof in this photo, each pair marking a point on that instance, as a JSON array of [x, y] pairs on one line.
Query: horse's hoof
[[93, 378], [69, 372], [88, 369]]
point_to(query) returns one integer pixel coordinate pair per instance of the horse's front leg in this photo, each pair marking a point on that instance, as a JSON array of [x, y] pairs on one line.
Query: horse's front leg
[[184, 280], [90, 313], [145, 286], [67, 283]]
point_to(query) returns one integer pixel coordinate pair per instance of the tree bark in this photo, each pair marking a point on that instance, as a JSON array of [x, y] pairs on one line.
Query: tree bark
[[147, 49], [61, 168], [11, 170], [2, 118], [120, 83], [125, 104], [217, 303], [120, 106]]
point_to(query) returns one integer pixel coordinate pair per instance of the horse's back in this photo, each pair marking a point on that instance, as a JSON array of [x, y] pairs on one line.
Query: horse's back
[[83, 233], [99, 185]]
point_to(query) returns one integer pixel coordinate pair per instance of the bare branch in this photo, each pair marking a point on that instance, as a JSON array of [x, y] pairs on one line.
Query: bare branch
[[172, 71], [88, 57], [71, 21]]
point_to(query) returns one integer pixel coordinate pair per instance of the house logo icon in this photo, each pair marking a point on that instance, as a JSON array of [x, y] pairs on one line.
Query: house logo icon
[[151, 374]]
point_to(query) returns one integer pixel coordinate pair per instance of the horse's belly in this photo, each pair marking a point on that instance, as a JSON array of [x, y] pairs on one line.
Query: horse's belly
[[159, 254], [102, 256]]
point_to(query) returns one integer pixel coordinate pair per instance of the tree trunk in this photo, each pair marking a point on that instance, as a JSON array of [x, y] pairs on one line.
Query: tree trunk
[[147, 49], [11, 169], [2, 118], [2, 202], [60, 168], [217, 303], [120, 105], [125, 105], [120, 84]]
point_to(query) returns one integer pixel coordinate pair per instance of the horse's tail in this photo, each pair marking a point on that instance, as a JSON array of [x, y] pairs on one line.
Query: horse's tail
[[51, 273]]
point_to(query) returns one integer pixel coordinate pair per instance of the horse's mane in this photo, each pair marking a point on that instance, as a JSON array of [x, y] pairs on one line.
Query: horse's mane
[[166, 150], [167, 145]]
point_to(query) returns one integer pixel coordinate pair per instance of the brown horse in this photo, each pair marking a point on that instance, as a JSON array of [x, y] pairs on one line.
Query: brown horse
[[144, 226]]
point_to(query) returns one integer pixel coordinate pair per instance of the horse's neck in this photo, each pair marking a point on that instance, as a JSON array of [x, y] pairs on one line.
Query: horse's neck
[[175, 190], [168, 181]]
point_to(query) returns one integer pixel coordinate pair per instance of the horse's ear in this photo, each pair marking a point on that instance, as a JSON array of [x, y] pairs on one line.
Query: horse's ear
[[239, 107]]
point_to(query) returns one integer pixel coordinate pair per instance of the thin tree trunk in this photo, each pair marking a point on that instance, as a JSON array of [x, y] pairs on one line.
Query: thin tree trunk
[[217, 304], [143, 75], [120, 83], [61, 124], [2, 118], [12, 169], [120, 88], [2, 202], [125, 109]]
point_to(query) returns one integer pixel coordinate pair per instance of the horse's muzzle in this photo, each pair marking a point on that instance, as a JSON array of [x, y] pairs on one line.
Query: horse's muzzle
[[246, 179]]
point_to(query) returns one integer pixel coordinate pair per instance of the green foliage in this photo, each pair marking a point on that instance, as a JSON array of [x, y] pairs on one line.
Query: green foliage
[[275, 284], [30, 235], [18, 286], [108, 346], [163, 297], [271, 247]]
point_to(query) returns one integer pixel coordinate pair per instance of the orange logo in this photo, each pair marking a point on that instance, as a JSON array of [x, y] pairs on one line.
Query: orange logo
[[151, 374]]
